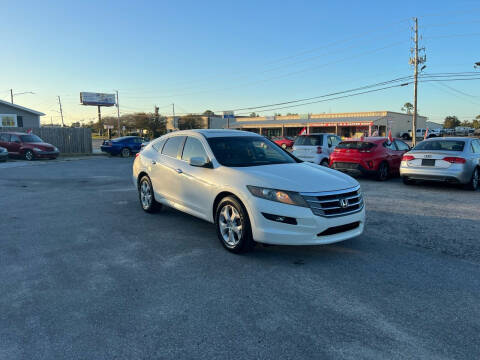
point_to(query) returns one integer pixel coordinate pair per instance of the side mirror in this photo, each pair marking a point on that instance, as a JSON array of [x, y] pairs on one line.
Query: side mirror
[[200, 162], [329, 145]]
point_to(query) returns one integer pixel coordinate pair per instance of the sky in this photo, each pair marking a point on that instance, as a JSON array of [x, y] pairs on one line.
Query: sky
[[223, 55]]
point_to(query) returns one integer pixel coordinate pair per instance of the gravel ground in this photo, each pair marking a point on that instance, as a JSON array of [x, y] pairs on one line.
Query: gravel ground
[[86, 274], [444, 218]]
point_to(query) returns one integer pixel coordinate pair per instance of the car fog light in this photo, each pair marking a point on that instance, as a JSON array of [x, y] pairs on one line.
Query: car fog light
[[280, 218]]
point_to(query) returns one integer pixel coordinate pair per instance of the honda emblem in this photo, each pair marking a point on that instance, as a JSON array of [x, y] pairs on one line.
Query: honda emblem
[[344, 203]]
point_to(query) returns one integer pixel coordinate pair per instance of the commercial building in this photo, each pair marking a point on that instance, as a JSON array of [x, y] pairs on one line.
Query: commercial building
[[12, 115], [346, 125], [195, 122], [433, 125]]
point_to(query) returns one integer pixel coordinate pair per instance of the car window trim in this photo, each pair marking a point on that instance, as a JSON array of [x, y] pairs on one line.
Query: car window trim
[[203, 147]]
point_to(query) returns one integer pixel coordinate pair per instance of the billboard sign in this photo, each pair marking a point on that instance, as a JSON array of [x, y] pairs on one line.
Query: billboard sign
[[228, 115], [97, 99]]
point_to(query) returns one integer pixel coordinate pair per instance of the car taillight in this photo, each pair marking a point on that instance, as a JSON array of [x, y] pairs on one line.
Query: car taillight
[[319, 149], [137, 154], [454, 160], [408, 157]]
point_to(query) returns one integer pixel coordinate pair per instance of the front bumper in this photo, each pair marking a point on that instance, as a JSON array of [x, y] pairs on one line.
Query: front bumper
[[308, 227], [456, 173], [3, 156], [46, 154]]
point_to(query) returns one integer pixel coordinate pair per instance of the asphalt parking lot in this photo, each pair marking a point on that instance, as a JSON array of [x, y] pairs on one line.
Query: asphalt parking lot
[[85, 274]]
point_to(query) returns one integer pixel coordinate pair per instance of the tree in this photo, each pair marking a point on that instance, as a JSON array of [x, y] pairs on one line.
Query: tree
[[208, 113], [190, 122], [407, 108], [476, 123], [451, 122], [253, 114], [292, 114]]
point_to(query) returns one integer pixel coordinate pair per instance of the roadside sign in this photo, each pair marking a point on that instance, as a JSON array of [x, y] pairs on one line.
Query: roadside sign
[[97, 99]]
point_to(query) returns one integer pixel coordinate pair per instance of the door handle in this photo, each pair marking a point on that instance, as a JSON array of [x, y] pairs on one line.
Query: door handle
[[179, 171]]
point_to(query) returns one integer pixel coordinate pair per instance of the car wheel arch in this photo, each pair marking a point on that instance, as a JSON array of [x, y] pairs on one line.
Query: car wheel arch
[[223, 195], [140, 176]]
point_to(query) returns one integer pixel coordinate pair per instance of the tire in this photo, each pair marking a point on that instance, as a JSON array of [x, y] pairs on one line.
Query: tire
[[382, 172], [325, 163], [284, 146], [408, 181], [125, 152], [29, 155], [146, 196], [473, 184], [406, 137], [233, 226]]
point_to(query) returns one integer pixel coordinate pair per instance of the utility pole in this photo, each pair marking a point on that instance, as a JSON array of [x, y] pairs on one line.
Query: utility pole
[[174, 123], [61, 111], [11, 95], [415, 61], [118, 114]]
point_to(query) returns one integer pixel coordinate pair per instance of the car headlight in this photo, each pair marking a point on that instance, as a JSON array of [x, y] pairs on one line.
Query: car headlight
[[282, 196], [55, 149], [37, 149]]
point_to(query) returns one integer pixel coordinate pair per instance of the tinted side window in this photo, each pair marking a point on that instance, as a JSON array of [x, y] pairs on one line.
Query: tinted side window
[[193, 148], [401, 145], [172, 145], [158, 145], [5, 137], [14, 138], [476, 146], [390, 146]]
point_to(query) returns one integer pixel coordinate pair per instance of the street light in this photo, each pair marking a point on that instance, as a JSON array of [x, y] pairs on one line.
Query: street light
[[22, 93]]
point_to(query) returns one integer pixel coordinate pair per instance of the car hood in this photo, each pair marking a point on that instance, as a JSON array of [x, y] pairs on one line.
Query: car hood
[[301, 177]]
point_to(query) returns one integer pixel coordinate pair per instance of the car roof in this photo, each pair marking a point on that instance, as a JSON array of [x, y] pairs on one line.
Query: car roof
[[316, 134], [209, 133], [13, 133], [454, 138]]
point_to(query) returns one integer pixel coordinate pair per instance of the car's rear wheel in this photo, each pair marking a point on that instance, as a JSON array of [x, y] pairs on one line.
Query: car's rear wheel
[[324, 162], [126, 152], [473, 184], [382, 172], [29, 155], [146, 195], [233, 226]]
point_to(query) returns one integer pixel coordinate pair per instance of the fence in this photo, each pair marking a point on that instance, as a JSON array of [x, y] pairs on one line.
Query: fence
[[67, 140]]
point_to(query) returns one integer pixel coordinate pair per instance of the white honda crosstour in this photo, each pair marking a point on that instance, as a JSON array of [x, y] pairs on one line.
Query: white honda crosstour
[[252, 190]]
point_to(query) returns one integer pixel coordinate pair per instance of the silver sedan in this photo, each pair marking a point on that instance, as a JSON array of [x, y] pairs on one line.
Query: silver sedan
[[452, 159]]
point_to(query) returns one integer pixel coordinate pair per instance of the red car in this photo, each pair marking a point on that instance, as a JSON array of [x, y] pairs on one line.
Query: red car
[[28, 146], [371, 156], [283, 141]]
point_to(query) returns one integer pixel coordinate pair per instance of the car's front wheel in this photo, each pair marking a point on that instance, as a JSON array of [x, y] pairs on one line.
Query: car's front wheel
[[146, 196], [233, 226], [29, 155]]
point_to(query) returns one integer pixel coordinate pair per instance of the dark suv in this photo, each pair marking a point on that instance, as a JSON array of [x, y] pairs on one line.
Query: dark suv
[[28, 146]]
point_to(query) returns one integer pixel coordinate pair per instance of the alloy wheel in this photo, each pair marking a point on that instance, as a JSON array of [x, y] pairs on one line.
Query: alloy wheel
[[125, 152], [29, 155], [230, 225], [475, 179], [146, 197]]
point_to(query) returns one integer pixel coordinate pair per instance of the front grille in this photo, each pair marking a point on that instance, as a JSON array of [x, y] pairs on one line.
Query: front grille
[[345, 165], [339, 229], [335, 203]]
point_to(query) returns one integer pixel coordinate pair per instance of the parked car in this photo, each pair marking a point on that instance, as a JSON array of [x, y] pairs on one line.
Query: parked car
[[283, 141], [315, 148], [252, 190], [28, 146], [124, 146], [454, 160], [371, 156], [3, 154]]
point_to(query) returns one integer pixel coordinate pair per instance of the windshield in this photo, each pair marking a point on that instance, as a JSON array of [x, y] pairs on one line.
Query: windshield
[[30, 139], [359, 145], [442, 145], [242, 151], [309, 140]]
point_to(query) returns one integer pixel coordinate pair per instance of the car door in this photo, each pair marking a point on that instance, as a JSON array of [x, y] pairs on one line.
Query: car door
[[195, 183], [14, 145], [476, 152], [165, 170]]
